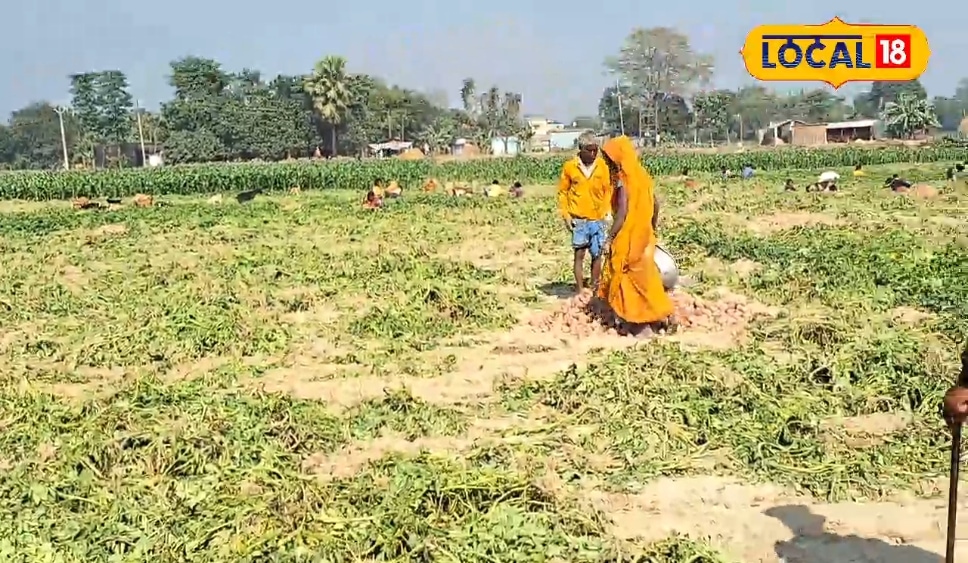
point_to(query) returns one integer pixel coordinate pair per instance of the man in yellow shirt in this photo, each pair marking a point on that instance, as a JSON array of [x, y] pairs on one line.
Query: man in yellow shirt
[[584, 200], [494, 190]]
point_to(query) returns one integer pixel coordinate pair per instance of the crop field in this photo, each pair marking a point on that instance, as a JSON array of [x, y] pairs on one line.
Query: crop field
[[295, 379], [360, 174]]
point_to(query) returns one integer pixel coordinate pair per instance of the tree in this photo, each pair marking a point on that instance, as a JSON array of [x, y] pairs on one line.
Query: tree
[[491, 115], [219, 115], [439, 134], [616, 113], [908, 116], [114, 106], [8, 148], [711, 113], [35, 136], [509, 122], [329, 88], [870, 104], [194, 117], [473, 121], [752, 109], [85, 107], [952, 110], [658, 62]]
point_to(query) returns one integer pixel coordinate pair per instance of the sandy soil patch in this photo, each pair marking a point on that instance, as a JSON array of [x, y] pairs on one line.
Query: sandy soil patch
[[515, 255], [763, 523], [517, 354], [910, 316], [865, 430], [73, 278]]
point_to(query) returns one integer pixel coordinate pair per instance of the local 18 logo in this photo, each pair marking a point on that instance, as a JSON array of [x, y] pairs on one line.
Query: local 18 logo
[[836, 53]]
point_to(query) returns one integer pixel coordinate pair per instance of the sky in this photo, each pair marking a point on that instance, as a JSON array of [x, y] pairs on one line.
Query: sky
[[550, 52]]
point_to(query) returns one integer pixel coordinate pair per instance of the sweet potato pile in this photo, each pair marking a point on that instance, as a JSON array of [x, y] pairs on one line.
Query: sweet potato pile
[[579, 316], [143, 200], [584, 316], [724, 312]]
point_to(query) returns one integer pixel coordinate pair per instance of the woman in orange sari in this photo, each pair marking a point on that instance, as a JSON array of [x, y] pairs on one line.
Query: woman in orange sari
[[631, 283]]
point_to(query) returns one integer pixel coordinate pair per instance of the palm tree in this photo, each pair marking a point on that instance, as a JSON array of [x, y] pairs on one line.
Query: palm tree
[[510, 120], [468, 91], [329, 88], [909, 115]]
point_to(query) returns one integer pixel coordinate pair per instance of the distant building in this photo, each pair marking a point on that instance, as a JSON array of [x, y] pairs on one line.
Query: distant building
[[128, 154], [846, 131], [564, 139], [542, 125], [389, 148], [801, 133], [464, 147]]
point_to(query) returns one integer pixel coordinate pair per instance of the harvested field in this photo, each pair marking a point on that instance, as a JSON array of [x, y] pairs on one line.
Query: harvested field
[[296, 379]]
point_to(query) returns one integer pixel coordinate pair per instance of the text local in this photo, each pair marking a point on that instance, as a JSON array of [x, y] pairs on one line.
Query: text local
[[790, 55]]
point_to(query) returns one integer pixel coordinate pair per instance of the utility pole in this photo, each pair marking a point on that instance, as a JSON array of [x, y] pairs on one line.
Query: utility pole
[[60, 117], [141, 133], [621, 115]]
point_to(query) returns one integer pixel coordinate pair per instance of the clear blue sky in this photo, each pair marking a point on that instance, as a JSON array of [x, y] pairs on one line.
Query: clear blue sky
[[551, 52]]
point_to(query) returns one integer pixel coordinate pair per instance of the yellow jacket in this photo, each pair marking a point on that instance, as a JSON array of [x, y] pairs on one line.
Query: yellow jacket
[[581, 197]]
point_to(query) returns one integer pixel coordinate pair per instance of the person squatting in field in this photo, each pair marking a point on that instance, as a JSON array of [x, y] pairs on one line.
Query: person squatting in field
[[631, 283], [584, 196], [372, 200]]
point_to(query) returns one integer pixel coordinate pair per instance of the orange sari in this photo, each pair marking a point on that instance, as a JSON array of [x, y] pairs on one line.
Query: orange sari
[[631, 283]]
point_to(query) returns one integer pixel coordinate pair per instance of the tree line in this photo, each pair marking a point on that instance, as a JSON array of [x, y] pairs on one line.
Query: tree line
[[662, 90], [217, 115], [661, 84]]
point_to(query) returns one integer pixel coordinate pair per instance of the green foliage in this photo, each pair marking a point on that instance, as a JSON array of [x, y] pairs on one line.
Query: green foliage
[[360, 175], [831, 266], [211, 467], [662, 410]]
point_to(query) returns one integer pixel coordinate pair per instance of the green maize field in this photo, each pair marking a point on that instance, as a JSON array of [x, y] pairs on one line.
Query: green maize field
[[360, 175]]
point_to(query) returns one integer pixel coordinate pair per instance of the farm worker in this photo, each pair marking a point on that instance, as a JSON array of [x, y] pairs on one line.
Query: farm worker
[[858, 172], [955, 406], [494, 190], [631, 283], [431, 186], [378, 189], [517, 190], [372, 201], [584, 196], [747, 171], [896, 183], [828, 176], [827, 182], [394, 189]]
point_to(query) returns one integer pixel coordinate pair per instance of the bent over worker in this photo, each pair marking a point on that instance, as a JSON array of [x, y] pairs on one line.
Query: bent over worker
[[584, 200]]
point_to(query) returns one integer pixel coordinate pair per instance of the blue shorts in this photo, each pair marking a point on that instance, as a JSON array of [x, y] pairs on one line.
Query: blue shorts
[[590, 235]]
